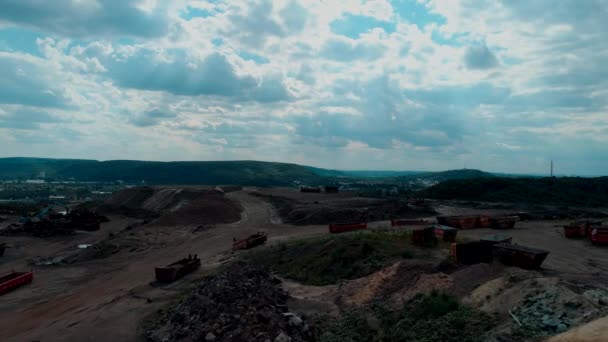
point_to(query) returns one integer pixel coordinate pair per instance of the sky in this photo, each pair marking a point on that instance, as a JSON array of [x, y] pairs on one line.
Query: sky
[[503, 86]]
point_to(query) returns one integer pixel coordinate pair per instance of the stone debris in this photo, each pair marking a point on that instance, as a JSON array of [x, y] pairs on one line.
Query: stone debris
[[242, 303]]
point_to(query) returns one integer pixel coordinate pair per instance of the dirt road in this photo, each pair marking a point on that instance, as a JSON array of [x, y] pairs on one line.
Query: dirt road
[[106, 299]]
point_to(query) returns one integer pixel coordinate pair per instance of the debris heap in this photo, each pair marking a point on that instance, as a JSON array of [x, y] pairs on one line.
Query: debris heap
[[242, 303]]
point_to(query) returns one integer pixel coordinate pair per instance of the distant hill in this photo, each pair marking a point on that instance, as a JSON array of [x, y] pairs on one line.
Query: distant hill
[[573, 191], [448, 175], [205, 172]]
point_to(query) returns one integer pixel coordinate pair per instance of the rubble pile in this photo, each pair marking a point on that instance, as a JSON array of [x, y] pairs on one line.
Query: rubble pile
[[55, 224], [547, 311], [242, 303]]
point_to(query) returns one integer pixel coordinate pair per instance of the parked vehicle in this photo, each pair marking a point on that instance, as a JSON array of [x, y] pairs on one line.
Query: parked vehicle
[[251, 241], [14, 280], [346, 227], [178, 269], [519, 256]]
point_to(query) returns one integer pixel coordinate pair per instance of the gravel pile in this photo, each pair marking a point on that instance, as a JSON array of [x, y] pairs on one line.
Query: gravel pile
[[242, 303]]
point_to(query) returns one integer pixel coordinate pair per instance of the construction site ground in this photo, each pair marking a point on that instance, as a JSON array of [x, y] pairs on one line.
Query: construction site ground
[[108, 298]]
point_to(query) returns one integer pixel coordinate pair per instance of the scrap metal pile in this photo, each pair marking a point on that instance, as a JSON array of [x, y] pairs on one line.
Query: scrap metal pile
[[242, 303], [54, 224]]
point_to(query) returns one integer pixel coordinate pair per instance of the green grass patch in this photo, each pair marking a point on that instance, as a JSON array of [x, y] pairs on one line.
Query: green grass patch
[[327, 260]]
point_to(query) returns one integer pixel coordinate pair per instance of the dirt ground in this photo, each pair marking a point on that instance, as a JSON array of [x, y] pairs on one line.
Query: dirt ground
[[321, 208], [107, 299]]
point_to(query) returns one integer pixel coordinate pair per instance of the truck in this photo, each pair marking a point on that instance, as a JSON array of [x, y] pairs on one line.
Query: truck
[[251, 241], [178, 269], [14, 280], [346, 227]]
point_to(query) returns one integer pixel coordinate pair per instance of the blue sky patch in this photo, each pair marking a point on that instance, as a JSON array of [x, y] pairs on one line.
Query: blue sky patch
[[193, 12], [249, 56], [416, 13], [353, 26], [18, 39]]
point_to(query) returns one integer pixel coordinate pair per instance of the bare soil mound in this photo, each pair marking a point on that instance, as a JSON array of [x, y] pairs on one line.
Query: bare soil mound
[[241, 303], [406, 279], [174, 206], [323, 209]]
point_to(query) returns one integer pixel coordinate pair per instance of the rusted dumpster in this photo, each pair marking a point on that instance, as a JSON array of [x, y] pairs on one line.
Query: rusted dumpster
[[472, 252], [346, 227], [460, 222], [519, 256], [445, 233], [408, 222], [599, 235], [178, 269], [424, 236], [496, 238], [575, 231], [503, 222], [483, 221], [251, 241], [14, 280]]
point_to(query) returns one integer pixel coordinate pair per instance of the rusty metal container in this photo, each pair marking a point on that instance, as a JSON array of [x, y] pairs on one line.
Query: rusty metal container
[[519, 256], [445, 233], [14, 280], [598, 235], [503, 222], [178, 269], [424, 236], [460, 221], [472, 252], [251, 241]]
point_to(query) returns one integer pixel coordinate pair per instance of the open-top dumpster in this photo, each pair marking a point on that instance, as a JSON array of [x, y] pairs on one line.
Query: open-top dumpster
[[424, 236], [445, 233], [519, 256], [496, 238], [460, 222], [503, 222], [599, 235], [346, 227], [14, 280], [251, 241], [408, 222], [178, 269], [471, 252]]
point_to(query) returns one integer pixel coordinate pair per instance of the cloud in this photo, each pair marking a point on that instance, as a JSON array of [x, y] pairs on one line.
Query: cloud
[[28, 119], [152, 117], [24, 80], [346, 50], [179, 75], [479, 57], [88, 18]]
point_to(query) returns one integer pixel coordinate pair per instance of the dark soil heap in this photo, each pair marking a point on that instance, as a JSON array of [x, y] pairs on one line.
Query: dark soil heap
[[242, 303]]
